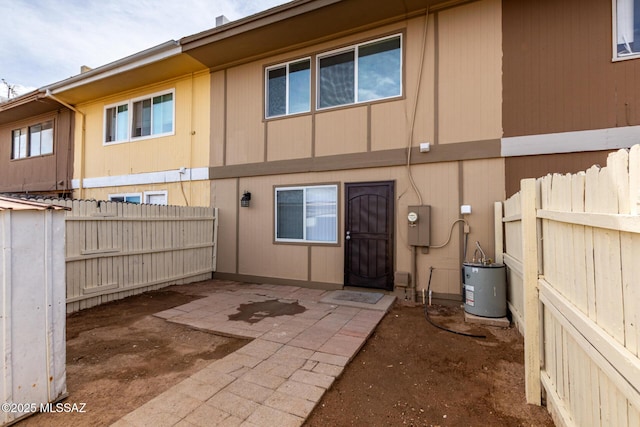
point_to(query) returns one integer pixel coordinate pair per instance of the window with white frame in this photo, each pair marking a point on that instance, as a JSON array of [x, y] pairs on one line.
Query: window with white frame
[[156, 197], [142, 117], [126, 198], [627, 28], [117, 123], [32, 141], [19, 147], [360, 73], [288, 88], [307, 214]]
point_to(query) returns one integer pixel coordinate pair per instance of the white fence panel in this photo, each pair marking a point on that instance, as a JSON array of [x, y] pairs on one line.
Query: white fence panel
[[588, 285]]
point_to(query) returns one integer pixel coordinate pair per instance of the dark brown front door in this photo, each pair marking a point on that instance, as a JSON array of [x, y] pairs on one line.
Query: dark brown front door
[[369, 235]]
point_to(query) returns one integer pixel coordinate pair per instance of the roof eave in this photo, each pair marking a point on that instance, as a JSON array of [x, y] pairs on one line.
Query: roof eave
[[25, 106], [260, 19], [15, 204], [294, 25], [21, 100], [137, 60]]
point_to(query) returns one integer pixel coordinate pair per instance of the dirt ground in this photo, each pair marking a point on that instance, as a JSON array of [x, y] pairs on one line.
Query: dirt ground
[[119, 356], [408, 373]]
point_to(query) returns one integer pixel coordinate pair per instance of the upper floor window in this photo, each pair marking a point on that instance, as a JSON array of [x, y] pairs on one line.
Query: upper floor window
[[31, 141], [150, 116], [365, 72], [307, 214], [360, 73], [116, 123], [627, 28], [288, 88]]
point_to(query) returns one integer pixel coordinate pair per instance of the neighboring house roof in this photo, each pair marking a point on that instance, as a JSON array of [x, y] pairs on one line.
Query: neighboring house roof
[[158, 63], [12, 203], [25, 106], [155, 64]]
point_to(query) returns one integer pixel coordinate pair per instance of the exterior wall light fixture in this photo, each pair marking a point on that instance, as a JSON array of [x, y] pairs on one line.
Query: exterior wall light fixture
[[245, 200]]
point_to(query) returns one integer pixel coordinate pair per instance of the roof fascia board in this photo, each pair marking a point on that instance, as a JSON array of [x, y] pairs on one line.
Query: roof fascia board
[[281, 13], [140, 59], [252, 22], [13, 203], [448, 4], [21, 100]]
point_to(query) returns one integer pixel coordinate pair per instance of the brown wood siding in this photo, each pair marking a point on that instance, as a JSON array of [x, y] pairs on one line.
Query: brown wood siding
[[517, 168], [558, 73], [42, 174]]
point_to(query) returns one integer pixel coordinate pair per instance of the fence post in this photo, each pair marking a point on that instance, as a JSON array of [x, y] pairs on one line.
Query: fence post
[[634, 180], [215, 241], [533, 389]]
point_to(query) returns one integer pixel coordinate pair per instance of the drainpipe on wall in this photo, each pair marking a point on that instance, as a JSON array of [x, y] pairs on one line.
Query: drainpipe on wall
[[48, 94]]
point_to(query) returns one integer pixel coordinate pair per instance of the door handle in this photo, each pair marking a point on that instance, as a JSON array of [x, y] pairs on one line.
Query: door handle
[[348, 235]]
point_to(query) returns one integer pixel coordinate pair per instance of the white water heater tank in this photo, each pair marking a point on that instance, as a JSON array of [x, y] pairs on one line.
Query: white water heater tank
[[485, 289]]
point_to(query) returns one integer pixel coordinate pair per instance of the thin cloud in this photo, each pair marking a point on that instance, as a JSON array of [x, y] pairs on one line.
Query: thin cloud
[[45, 41]]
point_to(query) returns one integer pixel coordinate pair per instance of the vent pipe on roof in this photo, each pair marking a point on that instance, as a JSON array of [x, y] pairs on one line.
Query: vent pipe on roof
[[84, 69], [221, 20]]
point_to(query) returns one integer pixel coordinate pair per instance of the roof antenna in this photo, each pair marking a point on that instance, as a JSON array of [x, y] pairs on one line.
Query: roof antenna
[[11, 89]]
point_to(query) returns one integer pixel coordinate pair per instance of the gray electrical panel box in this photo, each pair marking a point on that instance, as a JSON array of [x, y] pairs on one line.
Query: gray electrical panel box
[[419, 219]]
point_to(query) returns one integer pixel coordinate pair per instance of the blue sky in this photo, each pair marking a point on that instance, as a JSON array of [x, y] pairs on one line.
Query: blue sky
[[45, 41]]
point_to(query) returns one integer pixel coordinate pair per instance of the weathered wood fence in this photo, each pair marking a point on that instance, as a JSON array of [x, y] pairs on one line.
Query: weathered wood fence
[[572, 247], [114, 250]]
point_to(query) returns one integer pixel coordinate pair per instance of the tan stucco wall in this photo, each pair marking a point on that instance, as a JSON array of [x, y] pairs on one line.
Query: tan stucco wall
[[458, 84], [455, 89], [470, 72], [246, 237]]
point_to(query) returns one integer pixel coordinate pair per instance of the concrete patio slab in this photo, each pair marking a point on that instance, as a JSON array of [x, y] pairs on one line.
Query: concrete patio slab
[[302, 341]]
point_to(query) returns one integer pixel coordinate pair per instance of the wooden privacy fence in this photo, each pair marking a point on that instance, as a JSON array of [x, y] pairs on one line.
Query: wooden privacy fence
[[114, 250], [572, 248]]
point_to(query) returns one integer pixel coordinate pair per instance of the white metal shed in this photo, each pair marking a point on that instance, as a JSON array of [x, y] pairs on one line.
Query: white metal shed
[[32, 307]]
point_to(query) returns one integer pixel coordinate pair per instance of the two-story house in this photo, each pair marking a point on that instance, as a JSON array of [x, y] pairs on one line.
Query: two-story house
[[319, 110], [318, 126]]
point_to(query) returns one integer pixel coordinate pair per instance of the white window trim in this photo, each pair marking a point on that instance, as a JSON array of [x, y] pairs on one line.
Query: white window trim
[[104, 123], [614, 36], [355, 49], [129, 103], [151, 96], [125, 195], [164, 193], [304, 211], [266, 88], [14, 155]]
